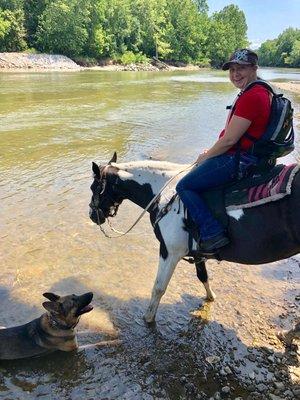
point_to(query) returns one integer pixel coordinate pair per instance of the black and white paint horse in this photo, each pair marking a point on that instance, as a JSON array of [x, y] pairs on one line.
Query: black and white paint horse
[[262, 234]]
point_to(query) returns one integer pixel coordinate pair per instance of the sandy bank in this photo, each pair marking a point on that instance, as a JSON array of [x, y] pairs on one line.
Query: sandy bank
[[292, 86]]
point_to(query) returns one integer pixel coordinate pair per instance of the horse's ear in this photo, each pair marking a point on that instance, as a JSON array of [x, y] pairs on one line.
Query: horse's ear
[[96, 170], [114, 158]]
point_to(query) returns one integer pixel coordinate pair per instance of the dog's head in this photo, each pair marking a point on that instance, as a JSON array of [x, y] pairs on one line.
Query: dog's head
[[66, 310]]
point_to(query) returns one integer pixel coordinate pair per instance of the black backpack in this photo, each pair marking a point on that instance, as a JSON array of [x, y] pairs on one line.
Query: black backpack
[[278, 139]]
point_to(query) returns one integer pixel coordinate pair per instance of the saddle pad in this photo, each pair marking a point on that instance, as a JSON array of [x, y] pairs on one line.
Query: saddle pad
[[274, 189]]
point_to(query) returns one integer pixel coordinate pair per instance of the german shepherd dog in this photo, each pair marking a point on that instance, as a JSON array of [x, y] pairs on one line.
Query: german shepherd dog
[[54, 330]]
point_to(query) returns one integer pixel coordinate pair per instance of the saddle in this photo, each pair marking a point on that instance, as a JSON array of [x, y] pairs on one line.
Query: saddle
[[259, 188], [249, 192]]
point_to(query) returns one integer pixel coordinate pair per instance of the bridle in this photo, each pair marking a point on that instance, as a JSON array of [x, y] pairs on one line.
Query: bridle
[[100, 190], [99, 198]]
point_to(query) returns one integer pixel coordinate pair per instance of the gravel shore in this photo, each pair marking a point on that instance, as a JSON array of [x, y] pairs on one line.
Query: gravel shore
[[47, 62], [24, 61]]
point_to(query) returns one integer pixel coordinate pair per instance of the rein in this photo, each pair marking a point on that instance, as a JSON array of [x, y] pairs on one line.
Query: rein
[[120, 233]]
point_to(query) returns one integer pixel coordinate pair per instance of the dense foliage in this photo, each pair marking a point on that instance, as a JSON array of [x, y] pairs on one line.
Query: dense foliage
[[178, 30], [283, 51], [132, 30]]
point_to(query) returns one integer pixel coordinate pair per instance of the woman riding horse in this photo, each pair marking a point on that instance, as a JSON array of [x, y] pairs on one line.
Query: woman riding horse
[[219, 165]]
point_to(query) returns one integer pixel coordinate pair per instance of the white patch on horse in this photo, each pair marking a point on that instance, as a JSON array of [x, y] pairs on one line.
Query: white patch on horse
[[236, 214], [155, 173]]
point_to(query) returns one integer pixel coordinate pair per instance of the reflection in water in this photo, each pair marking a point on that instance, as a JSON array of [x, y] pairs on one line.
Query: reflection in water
[[53, 126]]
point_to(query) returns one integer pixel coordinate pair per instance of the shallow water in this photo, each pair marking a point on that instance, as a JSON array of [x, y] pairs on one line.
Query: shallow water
[[53, 125]]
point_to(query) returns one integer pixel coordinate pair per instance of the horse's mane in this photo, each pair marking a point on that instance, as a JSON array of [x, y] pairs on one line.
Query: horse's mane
[[151, 165]]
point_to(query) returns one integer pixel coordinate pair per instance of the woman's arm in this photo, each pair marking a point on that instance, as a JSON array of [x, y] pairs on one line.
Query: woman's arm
[[234, 131]]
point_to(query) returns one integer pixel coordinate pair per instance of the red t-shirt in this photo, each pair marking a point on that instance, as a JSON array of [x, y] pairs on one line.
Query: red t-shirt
[[254, 105]]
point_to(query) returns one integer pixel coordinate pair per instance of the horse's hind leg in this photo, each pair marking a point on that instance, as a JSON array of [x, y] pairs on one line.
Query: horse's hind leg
[[165, 271], [203, 277]]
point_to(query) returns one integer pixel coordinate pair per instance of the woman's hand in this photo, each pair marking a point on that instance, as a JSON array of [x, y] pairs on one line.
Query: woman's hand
[[202, 157]]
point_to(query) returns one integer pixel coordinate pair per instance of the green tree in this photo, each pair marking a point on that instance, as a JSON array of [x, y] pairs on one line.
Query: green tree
[[284, 44], [63, 27], [97, 44], [267, 53], [219, 45], [11, 5], [151, 23], [202, 6], [281, 52], [293, 59], [228, 31], [188, 35], [12, 32], [33, 9]]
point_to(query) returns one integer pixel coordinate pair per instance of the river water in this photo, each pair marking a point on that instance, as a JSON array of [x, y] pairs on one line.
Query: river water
[[53, 125]]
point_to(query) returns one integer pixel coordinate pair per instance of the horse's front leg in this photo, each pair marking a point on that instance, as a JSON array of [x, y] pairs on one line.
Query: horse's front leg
[[165, 271]]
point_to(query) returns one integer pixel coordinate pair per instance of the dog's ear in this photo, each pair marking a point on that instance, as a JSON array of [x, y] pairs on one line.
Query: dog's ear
[[51, 296], [52, 307], [96, 170], [114, 158]]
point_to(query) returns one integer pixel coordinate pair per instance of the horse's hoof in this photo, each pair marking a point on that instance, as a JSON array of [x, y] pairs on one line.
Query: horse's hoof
[[211, 296], [149, 321]]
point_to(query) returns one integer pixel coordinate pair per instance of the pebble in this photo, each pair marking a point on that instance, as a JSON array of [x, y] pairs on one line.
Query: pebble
[[213, 359], [251, 357], [296, 392], [261, 387], [271, 359], [279, 385], [251, 375], [227, 370], [274, 397], [288, 393], [269, 376], [190, 387], [225, 389]]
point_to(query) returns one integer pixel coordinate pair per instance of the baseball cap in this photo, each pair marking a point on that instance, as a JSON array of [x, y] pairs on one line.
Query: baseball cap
[[243, 57]]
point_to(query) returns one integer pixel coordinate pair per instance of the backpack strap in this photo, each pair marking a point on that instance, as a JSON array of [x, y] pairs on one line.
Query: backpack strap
[[250, 137], [263, 83], [270, 89]]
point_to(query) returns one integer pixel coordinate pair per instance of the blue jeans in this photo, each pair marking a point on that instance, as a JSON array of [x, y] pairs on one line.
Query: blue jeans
[[209, 174]]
